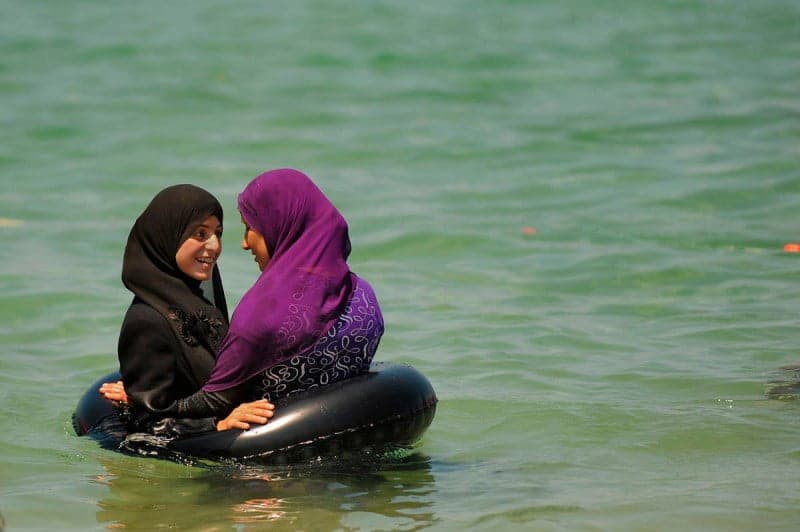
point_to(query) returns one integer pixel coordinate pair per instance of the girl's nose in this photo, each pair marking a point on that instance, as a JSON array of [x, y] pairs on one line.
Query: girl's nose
[[213, 242]]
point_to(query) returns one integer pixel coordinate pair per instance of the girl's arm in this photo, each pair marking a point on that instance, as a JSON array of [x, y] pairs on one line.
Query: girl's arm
[[239, 418]]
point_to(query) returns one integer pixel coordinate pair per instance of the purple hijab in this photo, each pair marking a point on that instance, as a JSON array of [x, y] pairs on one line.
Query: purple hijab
[[303, 289]]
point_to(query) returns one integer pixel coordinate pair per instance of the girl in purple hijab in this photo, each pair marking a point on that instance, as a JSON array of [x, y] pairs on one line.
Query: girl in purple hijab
[[307, 321]]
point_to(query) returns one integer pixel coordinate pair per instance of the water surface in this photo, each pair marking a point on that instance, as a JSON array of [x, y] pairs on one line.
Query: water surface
[[573, 215]]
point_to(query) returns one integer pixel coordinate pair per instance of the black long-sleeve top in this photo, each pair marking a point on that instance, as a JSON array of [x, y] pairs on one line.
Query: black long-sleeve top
[[156, 373]]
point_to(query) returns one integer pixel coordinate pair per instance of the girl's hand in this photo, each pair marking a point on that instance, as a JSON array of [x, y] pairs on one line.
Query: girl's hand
[[240, 417], [114, 391]]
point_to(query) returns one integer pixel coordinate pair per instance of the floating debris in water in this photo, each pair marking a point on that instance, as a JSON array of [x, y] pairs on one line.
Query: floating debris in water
[[10, 222], [786, 385], [791, 247]]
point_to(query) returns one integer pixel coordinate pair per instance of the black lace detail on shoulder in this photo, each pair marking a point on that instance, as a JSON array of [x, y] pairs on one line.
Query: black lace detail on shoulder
[[197, 326]]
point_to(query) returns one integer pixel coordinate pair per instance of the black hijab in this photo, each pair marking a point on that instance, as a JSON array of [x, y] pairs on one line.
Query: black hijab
[[150, 271]]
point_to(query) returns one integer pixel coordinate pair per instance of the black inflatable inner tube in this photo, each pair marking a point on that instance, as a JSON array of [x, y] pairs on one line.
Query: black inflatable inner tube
[[391, 405]]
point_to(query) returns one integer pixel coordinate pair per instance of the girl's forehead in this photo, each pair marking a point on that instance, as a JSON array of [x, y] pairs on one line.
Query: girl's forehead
[[211, 221]]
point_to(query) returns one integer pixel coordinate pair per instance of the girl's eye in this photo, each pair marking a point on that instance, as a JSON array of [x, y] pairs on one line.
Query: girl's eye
[[201, 234]]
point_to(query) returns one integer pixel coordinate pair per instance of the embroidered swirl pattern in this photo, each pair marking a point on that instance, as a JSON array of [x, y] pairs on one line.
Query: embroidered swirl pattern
[[346, 350], [192, 326], [297, 319]]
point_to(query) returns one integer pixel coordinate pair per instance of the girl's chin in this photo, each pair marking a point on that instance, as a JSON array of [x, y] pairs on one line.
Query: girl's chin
[[202, 272]]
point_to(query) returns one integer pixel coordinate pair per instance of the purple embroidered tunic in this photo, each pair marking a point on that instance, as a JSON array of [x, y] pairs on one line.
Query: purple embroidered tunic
[[345, 351]]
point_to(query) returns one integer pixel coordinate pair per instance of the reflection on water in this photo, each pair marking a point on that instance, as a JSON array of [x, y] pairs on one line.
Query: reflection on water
[[389, 491]]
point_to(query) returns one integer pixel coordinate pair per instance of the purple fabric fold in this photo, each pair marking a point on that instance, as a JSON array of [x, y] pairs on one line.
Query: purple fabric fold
[[303, 289]]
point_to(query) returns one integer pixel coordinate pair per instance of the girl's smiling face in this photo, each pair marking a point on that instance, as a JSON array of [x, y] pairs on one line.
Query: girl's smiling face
[[198, 253], [255, 243]]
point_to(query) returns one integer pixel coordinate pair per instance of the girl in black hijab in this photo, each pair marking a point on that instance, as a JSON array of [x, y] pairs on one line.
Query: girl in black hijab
[[170, 334]]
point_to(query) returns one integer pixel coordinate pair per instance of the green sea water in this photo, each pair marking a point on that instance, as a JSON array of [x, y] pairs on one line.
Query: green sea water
[[573, 214]]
